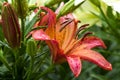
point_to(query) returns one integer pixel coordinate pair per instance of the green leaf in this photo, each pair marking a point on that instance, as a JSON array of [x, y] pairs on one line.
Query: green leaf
[[4, 61], [68, 7], [95, 2], [52, 2], [110, 13], [98, 77], [4, 44], [45, 72]]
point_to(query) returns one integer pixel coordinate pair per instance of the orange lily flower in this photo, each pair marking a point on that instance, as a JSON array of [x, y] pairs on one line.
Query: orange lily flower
[[61, 37]]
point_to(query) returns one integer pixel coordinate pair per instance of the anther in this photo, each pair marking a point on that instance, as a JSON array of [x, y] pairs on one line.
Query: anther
[[86, 34], [65, 23], [81, 28]]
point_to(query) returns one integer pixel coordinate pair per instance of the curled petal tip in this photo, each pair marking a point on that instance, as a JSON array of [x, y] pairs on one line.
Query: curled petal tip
[[104, 46], [109, 67], [106, 66]]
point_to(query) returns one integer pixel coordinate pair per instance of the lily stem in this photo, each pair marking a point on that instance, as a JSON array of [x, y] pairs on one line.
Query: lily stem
[[22, 28], [30, 68], [16, 56]]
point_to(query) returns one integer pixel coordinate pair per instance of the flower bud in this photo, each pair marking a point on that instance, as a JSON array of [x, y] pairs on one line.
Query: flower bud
[[31, 47], [68, 7], [10, 25], [21, 7]]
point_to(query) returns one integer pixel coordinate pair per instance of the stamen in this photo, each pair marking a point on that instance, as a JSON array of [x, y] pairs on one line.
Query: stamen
[[81, 28], [86, 34], [39, 27], [65, 23], [67, 18], [78, 21]]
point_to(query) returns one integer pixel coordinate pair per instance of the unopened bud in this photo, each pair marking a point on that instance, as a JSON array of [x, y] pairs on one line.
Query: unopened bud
[[31, 47], [10, 25], [21, 7]]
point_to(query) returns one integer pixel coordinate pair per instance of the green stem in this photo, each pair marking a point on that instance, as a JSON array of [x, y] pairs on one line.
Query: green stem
[[30, 68], [22, 28], [15, 66], [4, 61]]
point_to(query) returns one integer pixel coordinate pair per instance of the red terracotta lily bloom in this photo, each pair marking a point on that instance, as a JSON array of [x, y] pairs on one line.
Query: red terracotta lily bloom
[[61, 37]]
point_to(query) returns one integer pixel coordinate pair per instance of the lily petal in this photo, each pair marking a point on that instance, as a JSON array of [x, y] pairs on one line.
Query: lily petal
[[54, 47], [44, 20], [40, 35], [75, 64], [65, 35], [60, 35], [70, 32], [51, 22], [93, 57], [90, 42], [53, 44]]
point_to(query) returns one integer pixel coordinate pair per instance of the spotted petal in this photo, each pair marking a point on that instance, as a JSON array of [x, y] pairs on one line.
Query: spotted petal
[[93, 57], [75, 64]]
